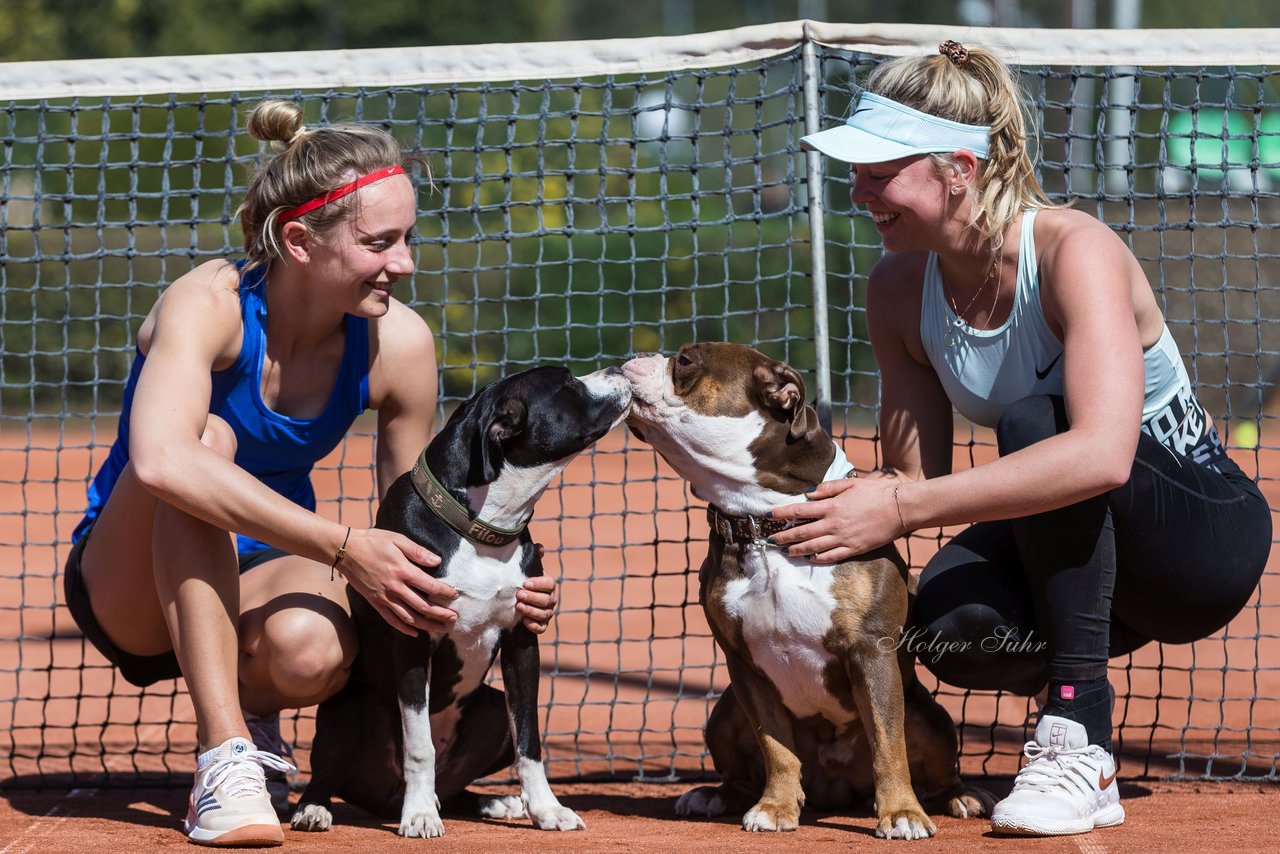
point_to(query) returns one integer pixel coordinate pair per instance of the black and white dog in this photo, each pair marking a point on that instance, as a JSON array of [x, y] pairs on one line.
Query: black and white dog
[[468, 499]]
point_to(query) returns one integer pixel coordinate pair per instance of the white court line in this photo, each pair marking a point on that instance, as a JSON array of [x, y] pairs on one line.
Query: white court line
[[59, 812]]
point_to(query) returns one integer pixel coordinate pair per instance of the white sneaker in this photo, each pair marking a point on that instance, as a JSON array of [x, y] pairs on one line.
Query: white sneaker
[[1067, 785], [229, 804]]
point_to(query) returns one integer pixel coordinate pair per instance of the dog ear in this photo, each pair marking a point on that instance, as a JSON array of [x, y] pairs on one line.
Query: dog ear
[[805, 422], [499, 422], [782, 391]]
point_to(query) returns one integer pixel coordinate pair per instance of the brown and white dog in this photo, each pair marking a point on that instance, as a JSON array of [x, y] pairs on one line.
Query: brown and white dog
[[815, 714]]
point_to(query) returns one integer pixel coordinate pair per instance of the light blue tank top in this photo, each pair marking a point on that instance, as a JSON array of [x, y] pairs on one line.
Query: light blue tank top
[[985, 370], [280, 451]]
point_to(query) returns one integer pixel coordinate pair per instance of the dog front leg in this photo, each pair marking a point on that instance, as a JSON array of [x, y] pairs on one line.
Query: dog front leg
[[899, 815], [420, 814], [779, 805], [520, 672]]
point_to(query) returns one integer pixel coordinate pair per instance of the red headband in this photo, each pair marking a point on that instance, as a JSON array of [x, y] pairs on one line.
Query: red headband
[[338, 192]]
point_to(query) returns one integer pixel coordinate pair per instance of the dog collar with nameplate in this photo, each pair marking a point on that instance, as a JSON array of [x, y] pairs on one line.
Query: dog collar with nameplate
[[454, 513], [751, 529]]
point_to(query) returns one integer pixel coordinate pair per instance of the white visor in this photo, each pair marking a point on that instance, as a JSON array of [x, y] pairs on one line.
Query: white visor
[[879, 130]]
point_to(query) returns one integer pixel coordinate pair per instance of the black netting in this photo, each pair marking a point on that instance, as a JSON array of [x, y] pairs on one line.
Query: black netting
[[579, 222]]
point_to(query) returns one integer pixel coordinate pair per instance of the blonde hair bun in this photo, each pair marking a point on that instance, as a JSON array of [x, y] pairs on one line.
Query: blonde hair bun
[[275, 121]]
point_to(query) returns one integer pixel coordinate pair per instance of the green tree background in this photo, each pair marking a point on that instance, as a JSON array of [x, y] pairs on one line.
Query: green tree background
[[76, 29]]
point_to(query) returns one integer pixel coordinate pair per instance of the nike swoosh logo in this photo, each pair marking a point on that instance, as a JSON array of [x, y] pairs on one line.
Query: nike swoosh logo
[[1042, 374], [1104, 780]]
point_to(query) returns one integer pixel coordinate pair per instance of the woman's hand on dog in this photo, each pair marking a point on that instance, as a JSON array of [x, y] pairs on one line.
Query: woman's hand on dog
[[850, 517], [536, 602], [386, 569]]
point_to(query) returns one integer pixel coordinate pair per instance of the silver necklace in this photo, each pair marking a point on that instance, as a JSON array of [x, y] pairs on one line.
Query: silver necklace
[[949, 337]]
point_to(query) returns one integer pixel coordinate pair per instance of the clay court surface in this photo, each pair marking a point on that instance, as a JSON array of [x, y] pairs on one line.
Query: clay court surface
[[621, 537], [1162, 817]]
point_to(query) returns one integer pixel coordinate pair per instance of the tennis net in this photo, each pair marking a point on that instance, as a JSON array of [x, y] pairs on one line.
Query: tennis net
[[593, 200]]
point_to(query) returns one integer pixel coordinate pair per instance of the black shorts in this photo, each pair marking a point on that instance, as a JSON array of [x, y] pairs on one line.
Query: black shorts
[[139, 670]]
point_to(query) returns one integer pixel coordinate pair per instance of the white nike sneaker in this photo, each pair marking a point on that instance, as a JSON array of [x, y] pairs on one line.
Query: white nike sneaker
[[1067, 786], [229, 804]]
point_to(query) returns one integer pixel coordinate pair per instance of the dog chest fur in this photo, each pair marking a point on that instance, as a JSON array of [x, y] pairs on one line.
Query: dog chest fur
[[784, 608], [487, 587]]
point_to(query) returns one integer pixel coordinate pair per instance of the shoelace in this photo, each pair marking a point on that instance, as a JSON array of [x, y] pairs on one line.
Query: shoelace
[[241, 775], [1050, 768]]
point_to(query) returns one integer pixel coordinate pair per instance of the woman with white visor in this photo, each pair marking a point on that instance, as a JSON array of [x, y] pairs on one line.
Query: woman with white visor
[[1113, 516]]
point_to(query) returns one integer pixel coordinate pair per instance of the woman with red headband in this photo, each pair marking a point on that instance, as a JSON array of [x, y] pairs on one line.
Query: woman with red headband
[[1113, 517], [246, 374]]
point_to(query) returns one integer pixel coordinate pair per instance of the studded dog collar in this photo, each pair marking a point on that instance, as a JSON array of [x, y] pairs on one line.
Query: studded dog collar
[[746, 529], [454, 513]]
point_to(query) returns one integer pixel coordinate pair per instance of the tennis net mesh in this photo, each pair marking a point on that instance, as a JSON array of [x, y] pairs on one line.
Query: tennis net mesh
[[590, 201]]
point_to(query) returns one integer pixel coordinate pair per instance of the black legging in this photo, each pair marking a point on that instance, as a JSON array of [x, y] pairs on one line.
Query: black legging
[[1170, 556]]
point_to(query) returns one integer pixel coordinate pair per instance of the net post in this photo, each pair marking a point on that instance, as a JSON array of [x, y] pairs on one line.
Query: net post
[[811, 82]]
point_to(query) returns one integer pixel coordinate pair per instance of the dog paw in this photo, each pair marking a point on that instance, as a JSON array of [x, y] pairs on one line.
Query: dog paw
[[702, 801], [311, 818], [771, 816], [909, 823], [556, 817], [422, 825], [502, 807], [973, 802]]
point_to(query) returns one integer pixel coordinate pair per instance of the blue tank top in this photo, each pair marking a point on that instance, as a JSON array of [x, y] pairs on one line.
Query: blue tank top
[[278, 450]]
